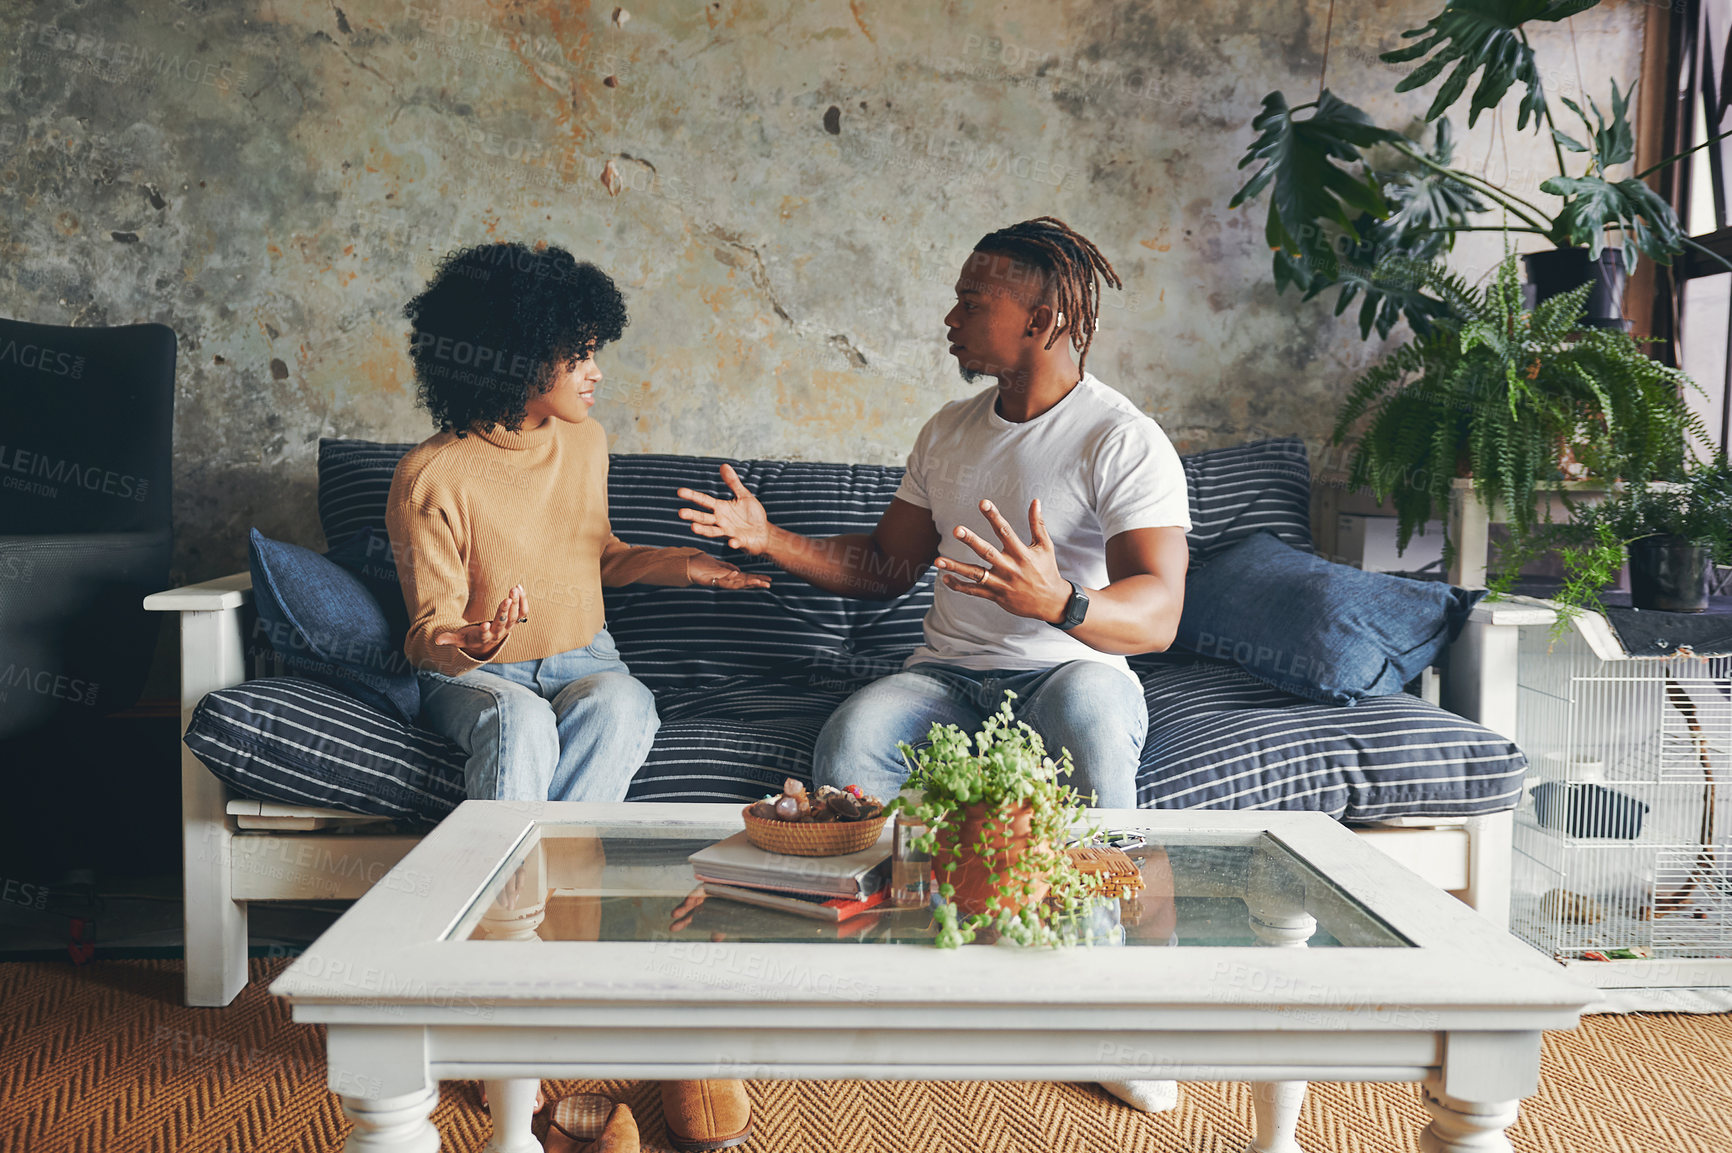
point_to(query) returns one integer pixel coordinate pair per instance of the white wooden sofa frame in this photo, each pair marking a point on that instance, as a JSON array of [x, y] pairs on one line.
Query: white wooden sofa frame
[[237, 851]]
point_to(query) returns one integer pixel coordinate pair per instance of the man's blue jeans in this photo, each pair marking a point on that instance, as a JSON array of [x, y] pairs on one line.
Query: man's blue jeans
[[571, 727], [1090, 708]]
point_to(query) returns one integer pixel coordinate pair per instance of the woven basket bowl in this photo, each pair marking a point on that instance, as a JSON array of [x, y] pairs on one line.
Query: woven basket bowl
[[829, 839]]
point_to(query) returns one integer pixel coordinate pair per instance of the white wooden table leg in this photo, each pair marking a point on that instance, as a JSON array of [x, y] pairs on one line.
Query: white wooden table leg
[[1275, 1105], [1275, 898], [1466, 1127], [392, 1124], [513, 1106]]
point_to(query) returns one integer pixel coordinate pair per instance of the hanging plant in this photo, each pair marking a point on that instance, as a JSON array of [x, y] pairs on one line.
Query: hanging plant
[[1336, 219], [1504, 393]]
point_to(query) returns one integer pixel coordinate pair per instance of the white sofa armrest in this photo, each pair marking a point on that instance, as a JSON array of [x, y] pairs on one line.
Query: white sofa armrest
[[224, 592], [211, 645], [212, 656], [1481, 681]]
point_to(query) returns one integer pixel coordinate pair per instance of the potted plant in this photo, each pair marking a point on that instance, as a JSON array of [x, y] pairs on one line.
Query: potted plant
[[1672, 532], [1336, 219], [996, 816], [1512, 397]]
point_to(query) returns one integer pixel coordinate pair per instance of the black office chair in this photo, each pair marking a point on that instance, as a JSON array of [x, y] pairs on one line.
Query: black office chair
[[86, 435]]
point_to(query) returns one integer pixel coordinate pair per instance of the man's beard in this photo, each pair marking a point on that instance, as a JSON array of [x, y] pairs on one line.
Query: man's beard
[[970, 375]]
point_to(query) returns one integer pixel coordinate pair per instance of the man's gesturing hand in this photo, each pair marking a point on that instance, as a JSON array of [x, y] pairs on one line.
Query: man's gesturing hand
[[742, 520], [1022, 578], [483, 638]]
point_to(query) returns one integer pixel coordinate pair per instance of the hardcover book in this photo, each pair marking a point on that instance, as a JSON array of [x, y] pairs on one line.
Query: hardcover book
[[736, 861], [818, 908]]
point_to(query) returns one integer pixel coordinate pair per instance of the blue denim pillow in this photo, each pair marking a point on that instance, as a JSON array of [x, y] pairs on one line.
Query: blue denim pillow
[[1316, 629], [328, 628], [367, 554]]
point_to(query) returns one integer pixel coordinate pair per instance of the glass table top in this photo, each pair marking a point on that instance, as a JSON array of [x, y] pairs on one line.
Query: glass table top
[[632, 882]]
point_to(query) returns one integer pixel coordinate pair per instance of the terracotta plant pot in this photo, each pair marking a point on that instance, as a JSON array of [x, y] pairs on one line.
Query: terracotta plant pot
[[972, 871]]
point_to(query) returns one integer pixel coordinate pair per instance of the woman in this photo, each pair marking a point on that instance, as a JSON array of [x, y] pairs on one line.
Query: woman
[[504, 511], [500, 529]]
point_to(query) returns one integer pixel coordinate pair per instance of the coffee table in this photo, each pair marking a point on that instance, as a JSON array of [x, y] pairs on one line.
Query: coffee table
[[527, 940]]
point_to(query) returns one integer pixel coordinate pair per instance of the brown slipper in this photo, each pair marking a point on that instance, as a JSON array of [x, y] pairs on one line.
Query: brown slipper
[[706, 1115], [582, 1116], [621, 1134]]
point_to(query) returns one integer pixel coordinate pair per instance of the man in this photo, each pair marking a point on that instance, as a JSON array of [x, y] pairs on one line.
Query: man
[[1050, 615]]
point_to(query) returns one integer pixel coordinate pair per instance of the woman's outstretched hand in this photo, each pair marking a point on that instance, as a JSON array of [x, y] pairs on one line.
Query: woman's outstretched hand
[[482, 639], [741, 520], [707, 570]]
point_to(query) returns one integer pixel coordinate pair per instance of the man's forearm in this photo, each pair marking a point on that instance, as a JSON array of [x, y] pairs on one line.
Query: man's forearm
[[1134, 615], [851, 565]]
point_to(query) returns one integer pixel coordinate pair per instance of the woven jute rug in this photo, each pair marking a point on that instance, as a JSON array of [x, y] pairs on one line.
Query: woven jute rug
[[105, 1058]]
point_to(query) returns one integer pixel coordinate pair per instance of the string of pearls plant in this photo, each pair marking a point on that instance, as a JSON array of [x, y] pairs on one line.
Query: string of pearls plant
[[1037, 894]]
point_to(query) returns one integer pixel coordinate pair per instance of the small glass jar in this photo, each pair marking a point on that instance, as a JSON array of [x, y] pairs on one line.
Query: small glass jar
[[910, 868]]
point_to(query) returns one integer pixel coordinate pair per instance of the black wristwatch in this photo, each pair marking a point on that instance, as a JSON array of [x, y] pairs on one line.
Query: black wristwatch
[[1075, 609]]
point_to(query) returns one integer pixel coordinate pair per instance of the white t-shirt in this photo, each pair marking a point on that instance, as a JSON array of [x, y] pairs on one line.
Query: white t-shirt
[[1100, 467]]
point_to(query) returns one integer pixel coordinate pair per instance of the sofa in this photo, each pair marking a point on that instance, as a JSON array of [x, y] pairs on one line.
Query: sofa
[[293, 789]]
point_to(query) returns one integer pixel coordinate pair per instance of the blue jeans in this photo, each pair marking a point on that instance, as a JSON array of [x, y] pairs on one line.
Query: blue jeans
[[571, 727], [1090, 708]]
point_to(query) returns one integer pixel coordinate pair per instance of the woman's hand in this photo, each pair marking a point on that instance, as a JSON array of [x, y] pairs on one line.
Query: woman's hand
[[707, 570], [483, 638], [742, 520]]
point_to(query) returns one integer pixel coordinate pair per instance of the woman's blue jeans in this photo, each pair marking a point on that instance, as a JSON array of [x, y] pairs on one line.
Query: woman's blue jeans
[[1088, 707], [575, 726]]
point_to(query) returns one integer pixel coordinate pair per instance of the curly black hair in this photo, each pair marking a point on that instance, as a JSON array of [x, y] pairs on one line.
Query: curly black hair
[[497, 323]]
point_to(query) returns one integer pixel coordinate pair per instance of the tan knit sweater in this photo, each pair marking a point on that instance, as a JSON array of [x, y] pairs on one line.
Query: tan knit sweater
[[472, 516]]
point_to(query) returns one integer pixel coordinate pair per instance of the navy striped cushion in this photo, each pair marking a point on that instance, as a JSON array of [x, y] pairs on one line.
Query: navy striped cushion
[[294, 740], [1217, 739], [1221, 739], [354, 483], [1236, 492], [677, 637], [735, 739]]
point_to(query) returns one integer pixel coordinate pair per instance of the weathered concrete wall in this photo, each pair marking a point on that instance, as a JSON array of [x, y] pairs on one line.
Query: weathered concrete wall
[[801, 181]]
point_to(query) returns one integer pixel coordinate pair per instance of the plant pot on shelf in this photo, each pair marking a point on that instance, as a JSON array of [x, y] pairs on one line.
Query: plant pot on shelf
[[1669, 574], [1558, 270], [956, 859]]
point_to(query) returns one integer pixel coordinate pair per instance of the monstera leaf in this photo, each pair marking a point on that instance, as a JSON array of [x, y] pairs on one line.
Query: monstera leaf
[[1427, 202], [1312, 191], [1304, 168], [1613, 142], [1390, 285], [1593, 202], [1481, 36], [1384, 263]]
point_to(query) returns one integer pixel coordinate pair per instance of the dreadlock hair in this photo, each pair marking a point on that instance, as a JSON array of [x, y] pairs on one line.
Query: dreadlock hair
[[1071, 270]]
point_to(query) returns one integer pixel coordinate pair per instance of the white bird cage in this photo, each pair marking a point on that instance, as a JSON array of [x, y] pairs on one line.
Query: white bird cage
[[1623, 838]]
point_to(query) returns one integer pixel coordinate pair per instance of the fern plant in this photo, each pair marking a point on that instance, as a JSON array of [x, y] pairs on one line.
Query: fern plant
[[1695, 505], [1503, 394]]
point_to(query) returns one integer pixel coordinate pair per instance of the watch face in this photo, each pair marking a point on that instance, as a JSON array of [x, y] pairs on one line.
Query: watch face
[[1076, 609]]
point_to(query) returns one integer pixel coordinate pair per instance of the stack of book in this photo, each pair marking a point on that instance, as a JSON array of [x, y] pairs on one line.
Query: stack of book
[[823, 888]]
